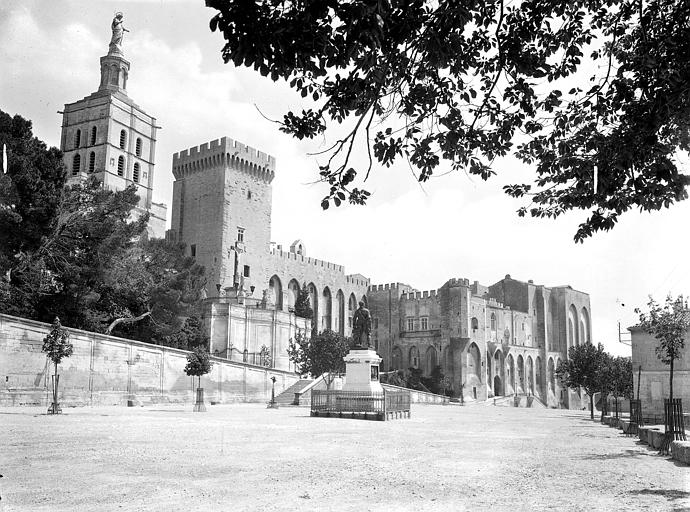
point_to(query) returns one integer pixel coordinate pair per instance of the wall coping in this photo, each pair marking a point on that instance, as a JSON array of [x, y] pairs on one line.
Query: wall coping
[[151, 346]]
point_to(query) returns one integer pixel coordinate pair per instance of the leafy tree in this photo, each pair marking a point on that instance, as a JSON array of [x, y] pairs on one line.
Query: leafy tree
[[84, 258], [622, 378], [57, 347], [303, 304], [154, 280], [584, 368], [669, 324], [436, 382], [90, 231], [415, 379], [319, 355], [607, 374], [462, 84], [198, 363], [29, 193], [192, 335]]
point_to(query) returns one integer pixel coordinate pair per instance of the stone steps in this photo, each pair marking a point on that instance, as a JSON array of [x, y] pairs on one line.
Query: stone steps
[[287, 397]]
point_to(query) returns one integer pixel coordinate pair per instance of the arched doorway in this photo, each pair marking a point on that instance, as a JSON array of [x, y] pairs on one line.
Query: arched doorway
[[429, 361], [414, 358], [293, 293], [573, 330], [584, 335], [351, 308], [498, 390], [396, 359], [497, 364], [275, 289], [510, 373], [474, 362], [538, 376], [530, 376], [340, 322], [520, 374], [326, 316], [314, 299], [551, 375]]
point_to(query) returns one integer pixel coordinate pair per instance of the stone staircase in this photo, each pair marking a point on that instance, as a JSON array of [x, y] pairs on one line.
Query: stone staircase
[[287, 397], [517, 401]]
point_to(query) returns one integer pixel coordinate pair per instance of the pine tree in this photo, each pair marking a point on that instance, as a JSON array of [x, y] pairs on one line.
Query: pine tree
[[303, 303]]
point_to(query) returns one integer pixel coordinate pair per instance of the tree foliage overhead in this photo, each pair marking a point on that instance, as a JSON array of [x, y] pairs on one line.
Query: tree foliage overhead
[[567, 87], [321, 354]]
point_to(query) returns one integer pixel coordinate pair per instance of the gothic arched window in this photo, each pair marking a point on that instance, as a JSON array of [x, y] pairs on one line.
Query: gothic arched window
[[121, 166], [137, 149], [92, 162], [94, 130], [76, 164], [123, 139], [135, 174], [77, 139]]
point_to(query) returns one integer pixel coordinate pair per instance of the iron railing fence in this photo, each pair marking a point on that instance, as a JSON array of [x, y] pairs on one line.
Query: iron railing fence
[[356, 403], [261, 358]]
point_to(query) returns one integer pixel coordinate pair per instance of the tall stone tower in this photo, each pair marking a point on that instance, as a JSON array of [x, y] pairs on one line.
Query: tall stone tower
[[222, 211], [108, 135]]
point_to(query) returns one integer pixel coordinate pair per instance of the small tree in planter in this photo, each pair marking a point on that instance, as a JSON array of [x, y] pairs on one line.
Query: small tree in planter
[[669, 324], [57, 347], [198, 363]]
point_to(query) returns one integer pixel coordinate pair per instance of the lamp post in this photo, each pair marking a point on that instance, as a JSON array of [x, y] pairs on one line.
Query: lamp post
[[272, 404]]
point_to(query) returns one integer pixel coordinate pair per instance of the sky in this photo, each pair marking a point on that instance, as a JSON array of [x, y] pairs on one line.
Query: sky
[[453, 226]]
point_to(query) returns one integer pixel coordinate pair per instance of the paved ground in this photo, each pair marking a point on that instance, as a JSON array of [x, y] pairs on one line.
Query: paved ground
[[245, 457]]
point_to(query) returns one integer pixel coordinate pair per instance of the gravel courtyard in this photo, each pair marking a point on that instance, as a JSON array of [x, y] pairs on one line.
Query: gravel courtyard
[[245, 457]]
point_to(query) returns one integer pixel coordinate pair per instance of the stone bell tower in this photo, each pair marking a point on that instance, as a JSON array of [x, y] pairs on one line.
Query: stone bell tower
[[108, 135]]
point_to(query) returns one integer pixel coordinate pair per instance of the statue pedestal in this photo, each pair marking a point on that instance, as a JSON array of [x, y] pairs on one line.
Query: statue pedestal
[[362, 371]]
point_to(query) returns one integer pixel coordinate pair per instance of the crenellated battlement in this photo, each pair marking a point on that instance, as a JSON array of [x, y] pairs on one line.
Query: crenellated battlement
[[460, 281], [390, 286], [221, 153], [417, 295], [289, 255], [494, 303]]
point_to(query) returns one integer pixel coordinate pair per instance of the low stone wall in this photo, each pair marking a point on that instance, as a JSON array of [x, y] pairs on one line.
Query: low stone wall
[[680, 451], [419, 396], [105, 370], [653, 435]]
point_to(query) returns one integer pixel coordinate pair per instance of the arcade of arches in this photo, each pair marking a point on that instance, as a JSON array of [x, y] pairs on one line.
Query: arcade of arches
[[495, 341]]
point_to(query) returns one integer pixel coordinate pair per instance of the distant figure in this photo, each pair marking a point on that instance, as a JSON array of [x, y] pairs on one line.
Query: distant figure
[[118, 30], [361, 326]]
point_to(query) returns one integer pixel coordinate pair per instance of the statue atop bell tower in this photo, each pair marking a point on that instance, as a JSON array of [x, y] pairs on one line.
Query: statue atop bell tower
[[118, 34], [114, 66]]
